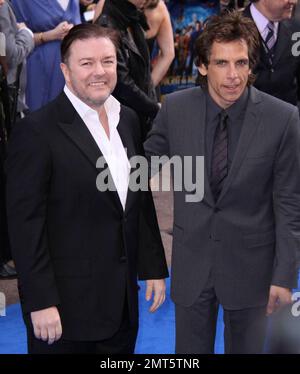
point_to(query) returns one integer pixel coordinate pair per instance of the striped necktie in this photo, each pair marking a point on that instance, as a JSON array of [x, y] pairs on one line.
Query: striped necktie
[[270, 39], [219, 166]]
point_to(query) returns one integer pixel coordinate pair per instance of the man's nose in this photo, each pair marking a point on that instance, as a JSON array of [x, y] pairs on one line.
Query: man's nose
[[99, 69], [232, 71]]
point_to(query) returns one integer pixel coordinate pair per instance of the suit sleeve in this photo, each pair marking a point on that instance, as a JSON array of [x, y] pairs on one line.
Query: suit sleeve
[[157, 143], [287, 206], [151, 261], [151, 255], [28, 170]]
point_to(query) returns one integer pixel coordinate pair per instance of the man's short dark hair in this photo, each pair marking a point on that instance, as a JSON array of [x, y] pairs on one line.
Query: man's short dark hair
[[225, 28], [87, 31]]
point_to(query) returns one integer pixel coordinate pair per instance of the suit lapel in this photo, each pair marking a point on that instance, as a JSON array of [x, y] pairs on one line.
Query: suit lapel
[[80, 135], [73, 126], [251, 122], [128, 143]]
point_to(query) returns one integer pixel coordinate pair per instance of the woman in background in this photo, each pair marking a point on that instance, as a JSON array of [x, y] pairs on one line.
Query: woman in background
[[160, 30], [50, 20], [98, 10], [134, 87], [158, 19]]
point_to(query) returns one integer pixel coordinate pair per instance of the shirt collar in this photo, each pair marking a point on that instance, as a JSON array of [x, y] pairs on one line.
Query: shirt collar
[[234, 111], [262, 22], [112, 107], [212, 108], [238, 108]]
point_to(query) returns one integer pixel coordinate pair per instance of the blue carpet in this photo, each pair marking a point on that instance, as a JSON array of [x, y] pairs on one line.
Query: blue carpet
[[156, 333], [13, 335], [157, 330]]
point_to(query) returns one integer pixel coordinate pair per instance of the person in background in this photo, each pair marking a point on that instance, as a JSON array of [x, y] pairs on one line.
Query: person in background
[[134, 87], [160, 30], [98, 10], [86, 5], [278, 70], [232, 4], [50, 21], [19, 45], [6, 269]]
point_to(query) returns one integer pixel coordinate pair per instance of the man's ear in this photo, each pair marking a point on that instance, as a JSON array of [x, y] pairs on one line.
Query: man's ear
[[65, 71], [202, 69]]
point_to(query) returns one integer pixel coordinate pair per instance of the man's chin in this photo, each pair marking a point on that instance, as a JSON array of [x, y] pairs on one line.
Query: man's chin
[[96, 102]]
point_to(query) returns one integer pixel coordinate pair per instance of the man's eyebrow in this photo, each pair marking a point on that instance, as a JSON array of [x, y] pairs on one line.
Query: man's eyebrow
[[91, 58], [85, 58]]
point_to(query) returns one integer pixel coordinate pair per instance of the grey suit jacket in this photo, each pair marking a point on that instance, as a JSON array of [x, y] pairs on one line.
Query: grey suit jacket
[[19, 44], [249, 238]]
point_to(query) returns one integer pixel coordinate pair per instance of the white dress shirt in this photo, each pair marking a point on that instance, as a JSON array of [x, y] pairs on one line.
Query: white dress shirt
[[64, 4], [262, 22], [112, 148]]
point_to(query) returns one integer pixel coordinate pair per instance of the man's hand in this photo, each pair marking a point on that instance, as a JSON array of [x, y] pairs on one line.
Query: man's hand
[[47, 325], [158, 286], [278, 297]]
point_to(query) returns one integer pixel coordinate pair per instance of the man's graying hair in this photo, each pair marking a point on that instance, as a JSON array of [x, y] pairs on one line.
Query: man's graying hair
[[84, 32]]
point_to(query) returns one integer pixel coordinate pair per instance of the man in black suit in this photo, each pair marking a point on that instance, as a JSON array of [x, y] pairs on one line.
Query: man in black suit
[[278, 70], [78, 246], [237, 245]]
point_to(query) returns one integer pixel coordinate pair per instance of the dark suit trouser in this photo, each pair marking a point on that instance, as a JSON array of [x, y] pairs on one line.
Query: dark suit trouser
[[122, 342], [196, 327]]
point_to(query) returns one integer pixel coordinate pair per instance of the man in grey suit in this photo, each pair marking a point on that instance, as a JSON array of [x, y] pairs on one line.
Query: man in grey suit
[[19, 44], [237, 246]]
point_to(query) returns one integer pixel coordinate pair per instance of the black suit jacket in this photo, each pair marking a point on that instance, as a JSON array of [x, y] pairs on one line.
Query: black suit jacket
[[249, 238], [281, 78], [74, 246]]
